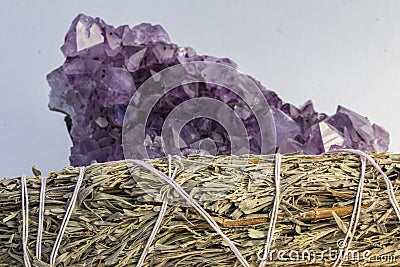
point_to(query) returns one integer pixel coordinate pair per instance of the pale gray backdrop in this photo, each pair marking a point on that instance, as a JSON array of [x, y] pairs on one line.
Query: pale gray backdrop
[[334, 52]]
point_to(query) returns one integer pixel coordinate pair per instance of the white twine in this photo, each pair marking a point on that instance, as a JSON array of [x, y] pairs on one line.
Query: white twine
[[67, 216], [161, 215], [275, 210], [357, 205], [170, 180], [389, 185], [41, 218], [354, 219], [196, 206], [25, 219]]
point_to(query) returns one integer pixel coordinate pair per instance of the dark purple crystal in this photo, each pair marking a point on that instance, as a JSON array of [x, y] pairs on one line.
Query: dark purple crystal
[[105, 66]]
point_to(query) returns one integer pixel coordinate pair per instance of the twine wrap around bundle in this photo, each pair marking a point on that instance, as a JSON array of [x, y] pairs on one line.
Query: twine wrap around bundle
[[253, 221]]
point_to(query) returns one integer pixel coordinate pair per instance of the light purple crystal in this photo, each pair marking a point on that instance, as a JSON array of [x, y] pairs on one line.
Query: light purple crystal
[[104, 66]]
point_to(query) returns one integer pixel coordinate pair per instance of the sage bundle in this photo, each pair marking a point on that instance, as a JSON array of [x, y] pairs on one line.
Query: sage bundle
[[112, 214]]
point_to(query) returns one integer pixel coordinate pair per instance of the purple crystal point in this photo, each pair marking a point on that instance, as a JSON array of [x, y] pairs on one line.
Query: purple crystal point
[[286, 128], [105, 66], [381, 140]]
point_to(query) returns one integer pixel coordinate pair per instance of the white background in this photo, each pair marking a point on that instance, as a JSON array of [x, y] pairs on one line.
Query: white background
[[334, 52]]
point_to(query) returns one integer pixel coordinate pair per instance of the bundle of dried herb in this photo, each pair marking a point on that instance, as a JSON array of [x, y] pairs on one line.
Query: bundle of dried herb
[[114, 216]]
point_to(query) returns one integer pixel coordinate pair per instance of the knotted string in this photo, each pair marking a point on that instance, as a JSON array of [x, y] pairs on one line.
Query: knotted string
[[275, 210], [196, 206], [161, 215]]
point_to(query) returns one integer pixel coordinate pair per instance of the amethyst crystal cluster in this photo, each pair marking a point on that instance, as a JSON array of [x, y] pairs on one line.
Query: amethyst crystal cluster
[[105, 66]]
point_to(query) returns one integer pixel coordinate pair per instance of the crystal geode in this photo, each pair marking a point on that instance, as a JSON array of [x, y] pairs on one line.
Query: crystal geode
[[104, 66]]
